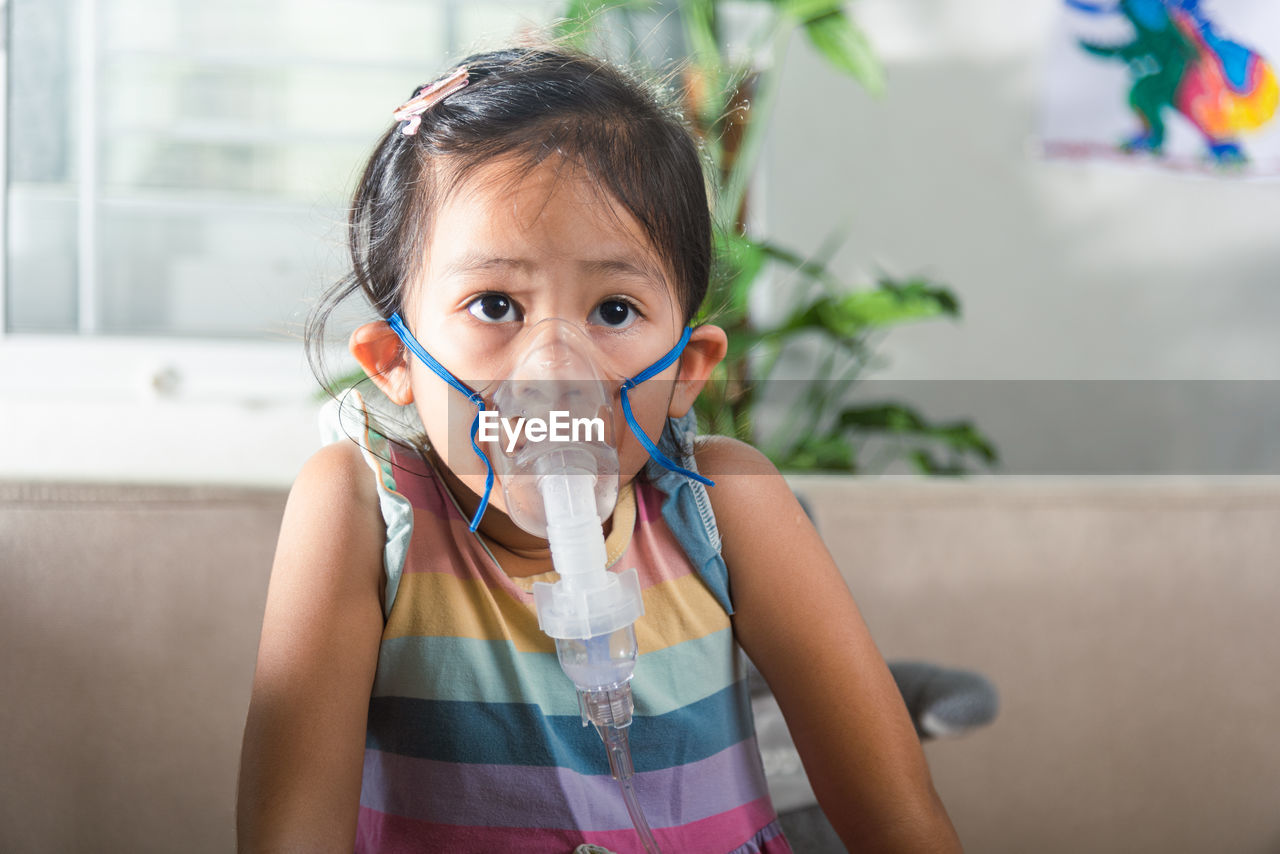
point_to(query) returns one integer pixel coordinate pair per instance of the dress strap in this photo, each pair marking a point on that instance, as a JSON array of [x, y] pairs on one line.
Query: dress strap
[[346, 419], [687, 508]]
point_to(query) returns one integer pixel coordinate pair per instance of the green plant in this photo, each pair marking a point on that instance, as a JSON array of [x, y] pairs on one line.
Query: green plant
[[730, 101]]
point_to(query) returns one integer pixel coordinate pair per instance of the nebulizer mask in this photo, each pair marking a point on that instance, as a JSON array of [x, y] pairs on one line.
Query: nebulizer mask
[[551, 418]]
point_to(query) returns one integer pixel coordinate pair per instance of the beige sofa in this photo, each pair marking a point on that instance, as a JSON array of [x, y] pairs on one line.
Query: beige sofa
[[1129, 626]]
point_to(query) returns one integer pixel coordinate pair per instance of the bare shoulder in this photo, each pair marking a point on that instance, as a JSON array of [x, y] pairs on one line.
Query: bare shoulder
[[332, 517], [763, 529], [726, 455], [336, 472], [749, 489]]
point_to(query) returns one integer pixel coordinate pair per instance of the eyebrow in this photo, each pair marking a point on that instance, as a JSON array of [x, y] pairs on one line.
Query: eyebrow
[[474, 262], [646, 274]]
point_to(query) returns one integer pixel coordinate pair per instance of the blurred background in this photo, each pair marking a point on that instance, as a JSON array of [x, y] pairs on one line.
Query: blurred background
[[177, 175], [1101, 353]]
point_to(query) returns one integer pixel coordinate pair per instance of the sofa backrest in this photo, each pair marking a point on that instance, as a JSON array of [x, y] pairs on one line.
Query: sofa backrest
[[1128, 627], [130, 627]]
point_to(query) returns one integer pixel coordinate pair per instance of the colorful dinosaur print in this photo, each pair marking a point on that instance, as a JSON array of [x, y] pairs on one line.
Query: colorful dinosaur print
[[1178, 61]]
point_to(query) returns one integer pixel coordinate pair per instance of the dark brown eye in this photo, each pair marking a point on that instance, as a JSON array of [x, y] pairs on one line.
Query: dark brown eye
[[616, 313], [493, 308]]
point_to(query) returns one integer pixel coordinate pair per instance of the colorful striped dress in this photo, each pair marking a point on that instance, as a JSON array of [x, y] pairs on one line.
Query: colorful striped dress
[[475, 742]]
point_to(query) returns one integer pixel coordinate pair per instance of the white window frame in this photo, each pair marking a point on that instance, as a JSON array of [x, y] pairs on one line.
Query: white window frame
[[90, 407], [86, 407]]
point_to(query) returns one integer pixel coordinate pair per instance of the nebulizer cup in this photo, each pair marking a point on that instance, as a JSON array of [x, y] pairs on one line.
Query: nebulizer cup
[[558, 463]]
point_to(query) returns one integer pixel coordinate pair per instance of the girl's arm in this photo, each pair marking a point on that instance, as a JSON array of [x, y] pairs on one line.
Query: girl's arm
[[798, 622], [303, 752]]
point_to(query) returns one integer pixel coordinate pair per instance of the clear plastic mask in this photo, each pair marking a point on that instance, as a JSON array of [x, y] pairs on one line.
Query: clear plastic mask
[[555, 415]]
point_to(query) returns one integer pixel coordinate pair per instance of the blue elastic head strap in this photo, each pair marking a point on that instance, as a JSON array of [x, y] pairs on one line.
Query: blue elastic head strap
[[652, 371], [403, 333]]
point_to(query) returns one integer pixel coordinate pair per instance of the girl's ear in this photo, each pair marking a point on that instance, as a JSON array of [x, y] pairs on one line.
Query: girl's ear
[[706, 348], [379, 351]]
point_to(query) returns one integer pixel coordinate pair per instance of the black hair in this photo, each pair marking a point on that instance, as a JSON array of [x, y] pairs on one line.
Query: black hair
[[528, 104]]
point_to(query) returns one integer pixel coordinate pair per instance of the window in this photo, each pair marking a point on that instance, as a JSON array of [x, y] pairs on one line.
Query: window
[[176, 179]]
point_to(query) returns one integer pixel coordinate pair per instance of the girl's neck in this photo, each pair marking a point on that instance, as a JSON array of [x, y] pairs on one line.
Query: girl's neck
[[518, 552]]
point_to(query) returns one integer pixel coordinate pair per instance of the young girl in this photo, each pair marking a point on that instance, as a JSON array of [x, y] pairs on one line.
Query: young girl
[[404, 698]]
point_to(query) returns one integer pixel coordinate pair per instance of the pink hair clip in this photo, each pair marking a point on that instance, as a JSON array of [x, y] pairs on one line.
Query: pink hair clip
[[425, 97]]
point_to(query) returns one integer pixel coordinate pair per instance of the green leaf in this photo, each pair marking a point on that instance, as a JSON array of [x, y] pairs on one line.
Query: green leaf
[[805, 11], [829, 453], [719, 408], [845, 46], [927, 463], [580, 20], [815, 269], [960, 437], [890, 303], [887, 417], [921, 290], [741, 342], [699, 20], [738, 264], [577, 22]]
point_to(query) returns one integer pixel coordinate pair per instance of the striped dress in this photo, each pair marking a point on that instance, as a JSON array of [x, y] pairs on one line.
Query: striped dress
[[475, 742]]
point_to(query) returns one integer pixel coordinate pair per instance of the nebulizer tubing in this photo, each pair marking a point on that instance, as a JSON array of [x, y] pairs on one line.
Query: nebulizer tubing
[[591, 613], [616, 742]]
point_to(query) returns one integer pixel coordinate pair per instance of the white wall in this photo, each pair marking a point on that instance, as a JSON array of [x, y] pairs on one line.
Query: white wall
[[1066, 271]]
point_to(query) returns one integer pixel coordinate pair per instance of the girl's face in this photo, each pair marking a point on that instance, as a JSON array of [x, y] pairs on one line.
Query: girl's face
[[507, 253]]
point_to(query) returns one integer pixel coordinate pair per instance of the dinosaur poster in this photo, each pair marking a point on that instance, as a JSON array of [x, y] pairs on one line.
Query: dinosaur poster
[[1180, 84]]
